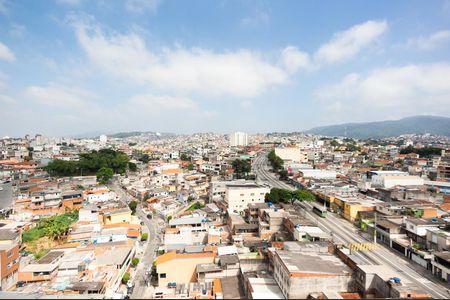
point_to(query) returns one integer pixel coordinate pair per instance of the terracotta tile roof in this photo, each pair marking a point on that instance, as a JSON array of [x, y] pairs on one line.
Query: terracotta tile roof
[[133, 233], [173, 255]]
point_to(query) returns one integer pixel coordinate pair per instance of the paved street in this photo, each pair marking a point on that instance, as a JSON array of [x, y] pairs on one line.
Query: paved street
[[5, 195], [140, 279], [346, 233]]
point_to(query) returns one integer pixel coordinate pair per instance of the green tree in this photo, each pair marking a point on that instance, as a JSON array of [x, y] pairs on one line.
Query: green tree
[[104, 175], [145, 158], [283, 174], [277, 195], [132, 167], [275, 161], [190, 167], [169, 218], [241, 167], [144, 236], [334, 143], [185, 157], [135, 261], [132, 205], [126, 277]]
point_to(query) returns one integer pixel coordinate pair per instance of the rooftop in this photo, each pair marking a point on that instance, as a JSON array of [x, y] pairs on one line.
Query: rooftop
[[313, 263]]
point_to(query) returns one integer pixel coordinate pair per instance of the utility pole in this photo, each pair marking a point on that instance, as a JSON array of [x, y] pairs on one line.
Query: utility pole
[[375, 228]]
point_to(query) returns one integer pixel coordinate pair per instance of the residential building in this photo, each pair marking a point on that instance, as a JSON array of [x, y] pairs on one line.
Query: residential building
[[238, 139], [239, 196]]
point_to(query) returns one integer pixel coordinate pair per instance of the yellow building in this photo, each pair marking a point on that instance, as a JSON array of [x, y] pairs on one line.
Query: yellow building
[[180, 267], [117, 216], [352, 208]]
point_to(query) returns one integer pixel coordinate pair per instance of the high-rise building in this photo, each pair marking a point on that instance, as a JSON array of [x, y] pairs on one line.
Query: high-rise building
[[238, 139], [103, 138]]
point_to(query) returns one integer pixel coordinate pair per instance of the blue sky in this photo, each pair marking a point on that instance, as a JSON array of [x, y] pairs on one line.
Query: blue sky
[[70, 67]]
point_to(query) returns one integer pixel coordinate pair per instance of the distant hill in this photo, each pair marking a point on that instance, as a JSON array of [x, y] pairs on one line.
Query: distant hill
[[411, 125], [139, 133]]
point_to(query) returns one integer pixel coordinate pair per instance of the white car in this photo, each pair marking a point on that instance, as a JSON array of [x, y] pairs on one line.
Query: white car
[[1, 189]]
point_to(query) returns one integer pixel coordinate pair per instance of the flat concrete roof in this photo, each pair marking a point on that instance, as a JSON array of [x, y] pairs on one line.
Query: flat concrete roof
[[313, 262], [265, 288]]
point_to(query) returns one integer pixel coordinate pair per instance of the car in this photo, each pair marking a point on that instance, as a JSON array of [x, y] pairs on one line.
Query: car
[[20, 283], [1, 189]]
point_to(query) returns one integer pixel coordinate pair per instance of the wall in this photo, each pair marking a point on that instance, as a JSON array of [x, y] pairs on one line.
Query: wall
[[181, 270]]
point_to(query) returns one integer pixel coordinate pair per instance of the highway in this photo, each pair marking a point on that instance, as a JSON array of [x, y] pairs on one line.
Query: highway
[[346, 233]]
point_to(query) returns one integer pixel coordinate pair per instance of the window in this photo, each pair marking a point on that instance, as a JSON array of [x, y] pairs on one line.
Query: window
[[162, 275]]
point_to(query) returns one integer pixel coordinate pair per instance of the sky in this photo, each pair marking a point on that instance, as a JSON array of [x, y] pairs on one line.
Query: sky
[[75, 67]]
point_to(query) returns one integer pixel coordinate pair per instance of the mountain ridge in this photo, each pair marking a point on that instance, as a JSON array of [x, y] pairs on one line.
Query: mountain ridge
[[437, 125]]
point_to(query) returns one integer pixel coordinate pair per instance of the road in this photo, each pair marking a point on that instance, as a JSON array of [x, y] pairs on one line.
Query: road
[[345, 232], [6, 195], [140, 278]]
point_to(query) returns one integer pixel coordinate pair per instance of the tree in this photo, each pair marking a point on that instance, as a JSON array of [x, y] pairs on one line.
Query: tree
[[132, 205], [135, 261], [169, 218], [145, 158], [241, 167], [283, 174], [90, 163], [105, 174], [275, 161], [190, 167], [132, 167], [126, 278], [144, 236], [334, 143], [184, 157], [277, 195]]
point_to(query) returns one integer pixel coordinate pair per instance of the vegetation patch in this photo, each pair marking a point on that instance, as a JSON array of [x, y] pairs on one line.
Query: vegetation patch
[[196, 205], [90, 163], [286, 196]]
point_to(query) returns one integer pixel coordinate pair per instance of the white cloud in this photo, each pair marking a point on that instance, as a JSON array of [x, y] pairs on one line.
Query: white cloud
[[156, 103], [241, 73], [350, 42], [430, 42], [70, 2], [293, 59], [256, 19], [17, 30], [56, 95], [391, 92], [246, 104], [6, 53], [4, 99], [141, 6], [3, 7]]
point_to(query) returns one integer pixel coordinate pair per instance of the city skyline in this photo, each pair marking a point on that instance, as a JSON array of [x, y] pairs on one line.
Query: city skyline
[[72, 67]]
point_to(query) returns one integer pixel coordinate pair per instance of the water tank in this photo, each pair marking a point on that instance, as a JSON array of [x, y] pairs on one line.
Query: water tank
[[269, 203], [397, 280], [434, 220]]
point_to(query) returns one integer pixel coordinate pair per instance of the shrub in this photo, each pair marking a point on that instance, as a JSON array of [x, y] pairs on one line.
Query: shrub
[[135, 261], [125, 277]]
